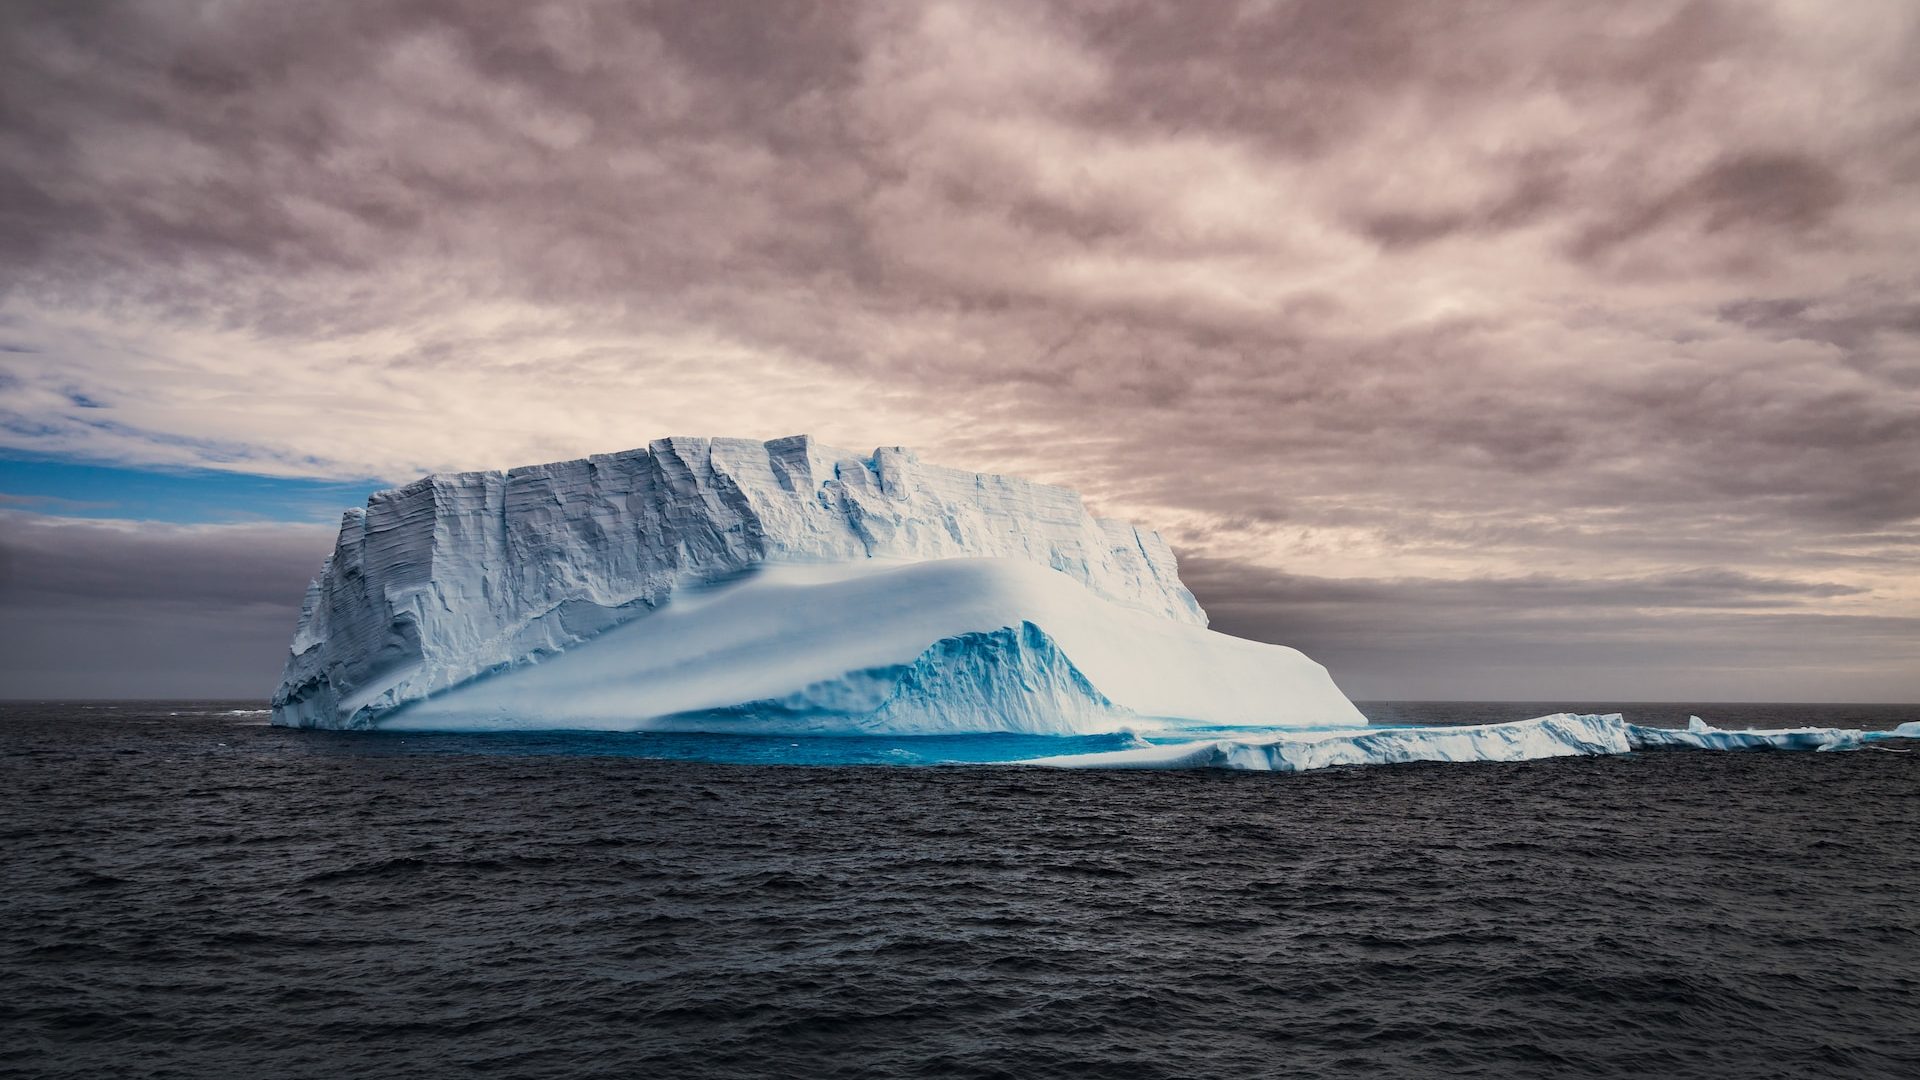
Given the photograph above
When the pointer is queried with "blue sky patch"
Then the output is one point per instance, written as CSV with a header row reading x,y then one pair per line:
x,y
184,496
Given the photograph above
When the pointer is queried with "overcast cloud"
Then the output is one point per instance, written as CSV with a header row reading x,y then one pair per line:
x,y
1480,349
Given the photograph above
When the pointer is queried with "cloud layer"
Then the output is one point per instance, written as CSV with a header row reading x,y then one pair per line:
x,y
94,609
1420,298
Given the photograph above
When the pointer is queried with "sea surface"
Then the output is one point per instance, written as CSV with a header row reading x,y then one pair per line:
x,y
186,892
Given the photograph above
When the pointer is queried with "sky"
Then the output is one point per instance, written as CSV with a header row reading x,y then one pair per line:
x,y
1480,350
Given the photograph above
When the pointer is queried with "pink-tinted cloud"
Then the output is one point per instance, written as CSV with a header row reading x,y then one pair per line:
x,y
1379,290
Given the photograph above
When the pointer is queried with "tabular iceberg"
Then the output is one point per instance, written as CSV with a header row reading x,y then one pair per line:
x,y
732,585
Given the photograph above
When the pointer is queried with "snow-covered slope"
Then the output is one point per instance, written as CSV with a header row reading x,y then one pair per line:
x,y
951,645
470,581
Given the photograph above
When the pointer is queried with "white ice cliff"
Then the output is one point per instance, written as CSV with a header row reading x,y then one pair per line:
x,y
731,585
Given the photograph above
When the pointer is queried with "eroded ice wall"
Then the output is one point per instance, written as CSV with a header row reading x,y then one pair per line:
x,y
453,576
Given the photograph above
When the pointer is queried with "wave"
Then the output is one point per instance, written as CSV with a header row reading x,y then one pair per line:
x,y
1558,735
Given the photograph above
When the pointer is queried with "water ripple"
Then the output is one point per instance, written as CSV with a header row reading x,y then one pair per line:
x,y
238,900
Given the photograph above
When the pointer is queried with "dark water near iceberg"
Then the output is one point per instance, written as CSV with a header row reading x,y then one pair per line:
x,y
189,893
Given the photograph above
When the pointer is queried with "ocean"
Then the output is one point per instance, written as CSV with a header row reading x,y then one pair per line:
x,y
188,892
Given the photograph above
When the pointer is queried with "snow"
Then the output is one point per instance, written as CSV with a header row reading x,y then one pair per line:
x,y
456,576
937,647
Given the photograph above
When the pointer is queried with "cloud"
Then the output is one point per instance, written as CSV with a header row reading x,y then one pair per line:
x,y
1784,196
1381,290
124,609
1702,635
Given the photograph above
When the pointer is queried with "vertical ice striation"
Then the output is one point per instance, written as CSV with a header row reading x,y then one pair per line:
x,y
454,576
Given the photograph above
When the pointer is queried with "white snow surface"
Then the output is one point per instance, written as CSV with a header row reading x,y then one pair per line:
x,y
938,647
478,578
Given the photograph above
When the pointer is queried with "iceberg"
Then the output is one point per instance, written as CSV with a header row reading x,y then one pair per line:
x,y
787,588
726,585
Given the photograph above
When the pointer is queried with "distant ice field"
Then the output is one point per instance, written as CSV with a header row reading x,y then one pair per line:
x,y
1405,733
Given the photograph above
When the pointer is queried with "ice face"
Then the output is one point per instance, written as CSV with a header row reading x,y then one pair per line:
x,y
451,578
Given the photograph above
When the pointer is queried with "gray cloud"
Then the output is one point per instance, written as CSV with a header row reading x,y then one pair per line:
x,y
1758,193
1698,636
1382,291
91,609
1230,582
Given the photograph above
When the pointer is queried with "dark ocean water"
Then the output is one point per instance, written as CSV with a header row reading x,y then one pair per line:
x,y
189,893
